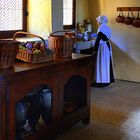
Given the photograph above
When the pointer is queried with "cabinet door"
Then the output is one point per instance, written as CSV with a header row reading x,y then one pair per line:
x,y
27,116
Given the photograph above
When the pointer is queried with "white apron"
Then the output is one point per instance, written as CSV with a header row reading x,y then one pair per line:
x,y
102,71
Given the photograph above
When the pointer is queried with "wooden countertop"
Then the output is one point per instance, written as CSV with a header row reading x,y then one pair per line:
x,y
22,70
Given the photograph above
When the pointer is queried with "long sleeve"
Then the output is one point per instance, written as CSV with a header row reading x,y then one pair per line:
x,y
100,36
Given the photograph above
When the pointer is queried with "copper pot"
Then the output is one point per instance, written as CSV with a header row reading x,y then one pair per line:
x,y
120,18
136,22
128,20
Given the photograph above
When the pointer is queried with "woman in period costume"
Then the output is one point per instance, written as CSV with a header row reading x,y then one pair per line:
x,y
104,63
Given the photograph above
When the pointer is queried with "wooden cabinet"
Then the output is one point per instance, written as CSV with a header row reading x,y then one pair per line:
x,y
93,62
69,82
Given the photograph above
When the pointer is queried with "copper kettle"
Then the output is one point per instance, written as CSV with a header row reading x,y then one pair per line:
x,y
136,22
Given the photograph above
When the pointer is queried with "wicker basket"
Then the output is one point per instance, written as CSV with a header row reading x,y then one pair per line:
x,y
25,56
8,52
61,44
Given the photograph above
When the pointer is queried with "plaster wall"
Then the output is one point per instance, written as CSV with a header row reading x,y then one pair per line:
x,y
94,11
82,10
40,19
57,15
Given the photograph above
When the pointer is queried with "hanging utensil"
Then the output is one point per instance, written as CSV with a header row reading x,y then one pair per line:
x,y
119,18
136,22
128,20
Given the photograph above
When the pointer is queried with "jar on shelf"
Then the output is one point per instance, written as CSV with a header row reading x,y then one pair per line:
x,y
21,113
46,104
88,25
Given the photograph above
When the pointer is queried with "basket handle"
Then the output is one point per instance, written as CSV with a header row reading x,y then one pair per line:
x,y
67,36
27,33
58,32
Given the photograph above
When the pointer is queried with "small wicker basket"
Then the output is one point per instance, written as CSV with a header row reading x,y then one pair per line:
x,y
61,44
25,56
8,52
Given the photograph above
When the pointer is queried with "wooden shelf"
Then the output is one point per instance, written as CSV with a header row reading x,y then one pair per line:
x,y
128,8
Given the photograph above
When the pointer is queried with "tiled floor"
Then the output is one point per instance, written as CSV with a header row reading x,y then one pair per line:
x,y
115,114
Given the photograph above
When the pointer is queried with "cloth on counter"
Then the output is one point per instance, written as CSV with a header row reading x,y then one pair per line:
x,y
79,45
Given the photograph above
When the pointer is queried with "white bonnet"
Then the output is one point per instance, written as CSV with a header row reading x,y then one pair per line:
x,y
102,19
